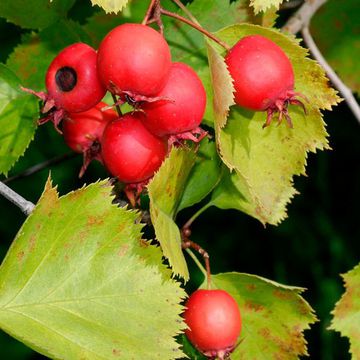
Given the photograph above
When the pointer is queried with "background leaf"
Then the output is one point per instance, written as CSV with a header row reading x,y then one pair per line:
x,y
274,316
31,59
337,34
204,175
34,14
165,191
17,119
265,160
111,6
78,282
347,312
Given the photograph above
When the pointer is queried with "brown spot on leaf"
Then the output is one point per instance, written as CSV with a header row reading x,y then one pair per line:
x,y
95,220
32,242
143,243
282,294
251,287
249,305
20,255
123,250
116,352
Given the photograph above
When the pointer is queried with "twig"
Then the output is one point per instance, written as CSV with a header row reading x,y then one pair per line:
x,y
291,4
38,167
25,206
343,89
195,26
186,11
302,17
148,12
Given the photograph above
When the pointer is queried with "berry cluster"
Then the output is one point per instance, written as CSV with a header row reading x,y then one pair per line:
x,y
134,64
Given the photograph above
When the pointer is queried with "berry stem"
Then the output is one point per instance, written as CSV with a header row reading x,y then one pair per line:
x,y
186,11
196,261
195,26
188,244
149,12
117,107
188,224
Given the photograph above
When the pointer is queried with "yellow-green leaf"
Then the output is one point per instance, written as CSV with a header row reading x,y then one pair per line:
x,y
111,6
165,192
263,5
79,282
347,312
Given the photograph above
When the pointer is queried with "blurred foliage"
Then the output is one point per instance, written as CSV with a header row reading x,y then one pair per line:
x,y
310,249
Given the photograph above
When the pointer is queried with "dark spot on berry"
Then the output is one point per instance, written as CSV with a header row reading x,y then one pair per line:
x,y
66,78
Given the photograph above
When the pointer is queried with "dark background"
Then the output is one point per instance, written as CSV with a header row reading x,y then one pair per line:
x,y
319,240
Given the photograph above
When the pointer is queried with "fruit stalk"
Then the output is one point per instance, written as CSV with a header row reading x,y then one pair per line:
x,y
188,244
197,27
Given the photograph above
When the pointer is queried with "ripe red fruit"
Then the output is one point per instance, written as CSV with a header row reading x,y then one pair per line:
x,y
183,104
135,58
263,76
72,80
130,151
83,131
214,322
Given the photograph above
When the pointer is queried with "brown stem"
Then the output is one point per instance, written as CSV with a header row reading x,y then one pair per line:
x,y
149,12
117,107
187,243
195,26
186,11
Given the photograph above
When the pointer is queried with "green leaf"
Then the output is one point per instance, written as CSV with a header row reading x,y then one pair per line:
x,y
111,6
204,175
266,160
31,59
17,119
99,24
263,5
34,14
347,311
78,282
337,34
190,350
274,316
165,191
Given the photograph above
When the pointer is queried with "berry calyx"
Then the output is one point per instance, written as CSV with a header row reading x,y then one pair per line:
x,y
129,151
263,77
83,132
214,322
134,58
183,104
72,81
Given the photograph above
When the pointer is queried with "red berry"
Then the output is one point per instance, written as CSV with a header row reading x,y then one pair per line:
x,y
82,129
83,132
135,58
72,80
263,76
214,322
183,104
130,151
